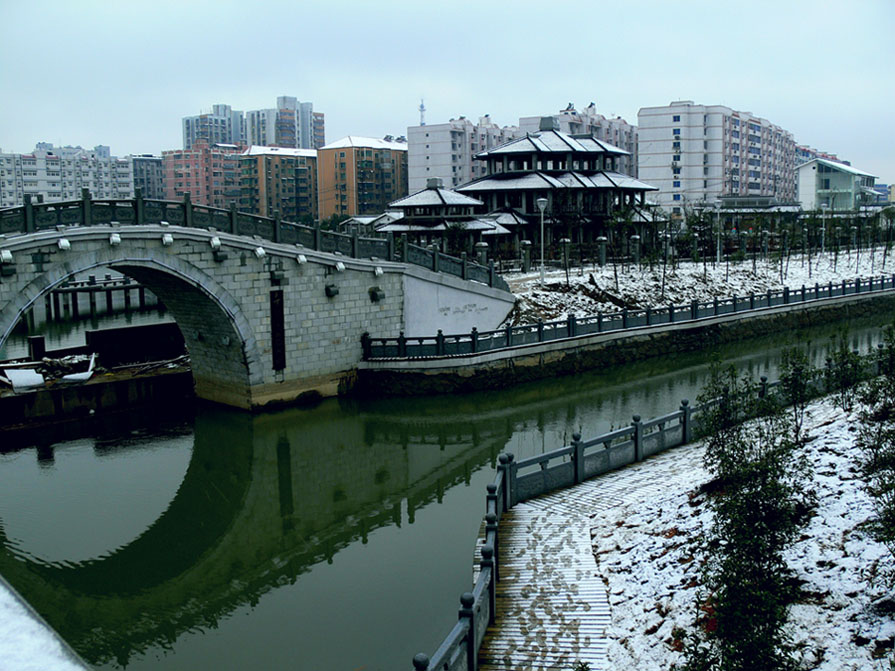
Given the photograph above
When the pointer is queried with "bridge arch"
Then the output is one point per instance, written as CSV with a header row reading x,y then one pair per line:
x,y
220,339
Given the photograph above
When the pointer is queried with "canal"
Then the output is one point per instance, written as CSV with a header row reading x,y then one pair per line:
x,y
337,537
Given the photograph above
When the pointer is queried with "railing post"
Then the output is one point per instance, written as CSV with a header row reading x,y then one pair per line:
x,y
599,321
694,309
390,238
715,306
366,345
751,300
638,438
857,285
354,245
404,250
467,600
420,662
276,225
187,210
512,467
686,426
578,452
439,343
488,563
844,286
463,265
491,530
763,387
86,207
491,273
139,214
509,330
786,295
474,339
234,219
503,464
803,293
29,214
671,314
402,344
540,330
572,326
830,290
436,260
734,302
624,318
649,312
769,298
816,290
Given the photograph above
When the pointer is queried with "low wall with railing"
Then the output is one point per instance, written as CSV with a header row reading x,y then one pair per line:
x,y
33,217
515,337
518,481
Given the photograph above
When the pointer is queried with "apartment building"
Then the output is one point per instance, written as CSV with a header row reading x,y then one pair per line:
x,y
805,154
611,130
836,186
208,172
446,150
149,176
698,153
279,179
59,173
223,125
360,175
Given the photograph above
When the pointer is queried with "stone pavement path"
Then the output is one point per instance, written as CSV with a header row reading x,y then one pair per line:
x,y
553,610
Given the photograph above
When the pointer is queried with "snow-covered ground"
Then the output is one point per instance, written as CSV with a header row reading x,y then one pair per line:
x,y
645,554
593,288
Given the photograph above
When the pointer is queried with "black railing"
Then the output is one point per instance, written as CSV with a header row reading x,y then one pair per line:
x,y
35,217
475,342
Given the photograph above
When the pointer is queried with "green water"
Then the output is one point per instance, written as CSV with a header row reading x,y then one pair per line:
x,y
338,537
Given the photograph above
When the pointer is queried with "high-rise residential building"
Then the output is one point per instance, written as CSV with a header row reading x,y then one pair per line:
x,y
445,150
149,176
360,175
611,130
59,173
318,130
222,125
805,154
279,180
208,172
696,154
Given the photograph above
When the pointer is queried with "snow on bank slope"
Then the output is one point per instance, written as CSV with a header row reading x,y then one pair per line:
x,y
645,555
592,289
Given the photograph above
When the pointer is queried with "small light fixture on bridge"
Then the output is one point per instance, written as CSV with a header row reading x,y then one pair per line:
x,y
340,267
167,239
376,294
64,244
378,271
302,259
7,269
215,243
260,253
115,239
5,256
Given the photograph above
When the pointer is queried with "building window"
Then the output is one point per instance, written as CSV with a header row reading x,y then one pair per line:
x,y
676,196
676,145
676,184
676,118
676,171
676,157
676,131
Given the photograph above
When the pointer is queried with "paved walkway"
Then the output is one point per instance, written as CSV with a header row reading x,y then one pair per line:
x,y
553,610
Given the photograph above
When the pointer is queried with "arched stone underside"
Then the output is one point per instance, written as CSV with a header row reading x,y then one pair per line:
x,y
218,337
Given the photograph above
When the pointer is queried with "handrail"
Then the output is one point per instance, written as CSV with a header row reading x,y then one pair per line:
x,y
34,217
512,337
459,649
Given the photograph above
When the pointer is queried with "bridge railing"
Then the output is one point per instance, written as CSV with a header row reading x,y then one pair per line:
x,y
518,481
476,342
34,217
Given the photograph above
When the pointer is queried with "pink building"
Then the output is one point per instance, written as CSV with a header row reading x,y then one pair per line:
x,y
208,172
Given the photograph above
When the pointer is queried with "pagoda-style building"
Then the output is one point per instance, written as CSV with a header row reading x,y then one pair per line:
x,y
577,174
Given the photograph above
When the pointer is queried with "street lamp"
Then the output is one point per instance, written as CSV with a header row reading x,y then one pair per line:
x,y
823,208
542,205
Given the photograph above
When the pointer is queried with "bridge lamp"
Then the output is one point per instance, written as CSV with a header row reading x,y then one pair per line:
x,y
260,253
115,239
378,271
542,205
5,256
340,267
302,259
215,243
167,239
64,244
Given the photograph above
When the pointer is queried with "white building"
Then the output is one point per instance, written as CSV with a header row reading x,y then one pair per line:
x,y
445,150
613,130
697,153
54,174
839,187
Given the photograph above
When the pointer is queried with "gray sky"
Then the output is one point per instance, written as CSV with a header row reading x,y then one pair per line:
x,y
123,73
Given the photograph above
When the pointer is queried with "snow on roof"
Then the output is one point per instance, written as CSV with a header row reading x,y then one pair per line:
x,y
487,226
838,166
434,196
567,180
258,150
368,142
553,141
509,181
628,182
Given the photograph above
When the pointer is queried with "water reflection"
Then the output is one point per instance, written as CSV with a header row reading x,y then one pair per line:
x,y
337,537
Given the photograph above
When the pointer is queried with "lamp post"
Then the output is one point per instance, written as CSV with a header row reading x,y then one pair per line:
x,y
542,205
718,219
823,209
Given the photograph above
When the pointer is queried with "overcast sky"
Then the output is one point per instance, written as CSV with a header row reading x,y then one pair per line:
x,y
88,72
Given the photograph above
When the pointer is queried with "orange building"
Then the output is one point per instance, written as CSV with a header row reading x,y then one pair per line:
x,y
279,179
360,175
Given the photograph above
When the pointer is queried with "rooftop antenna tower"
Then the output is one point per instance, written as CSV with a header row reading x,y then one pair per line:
x,y
422,109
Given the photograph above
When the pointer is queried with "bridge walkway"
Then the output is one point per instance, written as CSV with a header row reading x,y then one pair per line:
x,y
553,609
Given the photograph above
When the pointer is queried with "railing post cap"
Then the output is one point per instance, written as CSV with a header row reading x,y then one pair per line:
x,y
487,553
576,437
421,661
503,459
510,456
492,488
764,378
467,598
491,518
636,418
685,402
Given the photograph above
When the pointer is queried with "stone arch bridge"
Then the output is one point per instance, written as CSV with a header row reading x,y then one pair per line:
x,y
270,311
